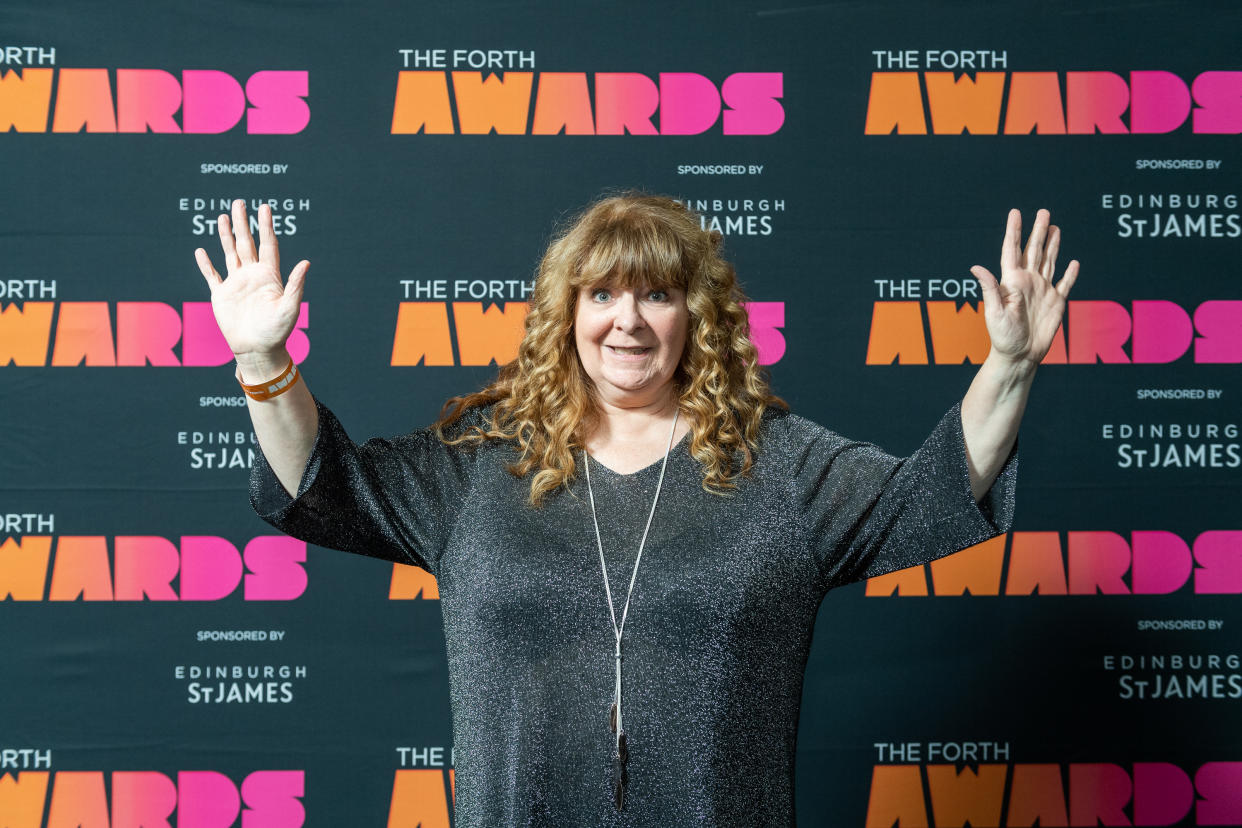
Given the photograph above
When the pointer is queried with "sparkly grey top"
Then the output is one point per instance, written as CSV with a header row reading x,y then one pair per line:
x,y
719,624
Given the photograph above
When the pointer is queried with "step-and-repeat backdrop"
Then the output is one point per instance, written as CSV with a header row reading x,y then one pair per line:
x,y
169,659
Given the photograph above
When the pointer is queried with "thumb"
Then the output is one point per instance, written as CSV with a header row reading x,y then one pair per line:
x,y
292,297
297,281
989,285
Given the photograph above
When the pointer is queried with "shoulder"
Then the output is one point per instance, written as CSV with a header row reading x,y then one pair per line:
x,y
475,417
465,439
430,440
781,427
793,445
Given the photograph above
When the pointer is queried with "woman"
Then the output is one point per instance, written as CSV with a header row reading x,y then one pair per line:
x,y
631,535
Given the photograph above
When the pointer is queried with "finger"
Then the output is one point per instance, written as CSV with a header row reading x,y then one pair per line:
x,y
292,299
1035,244
989,285
1049,268
231,261
269,251
205,267
241,227
296,283
1067,281
1009,247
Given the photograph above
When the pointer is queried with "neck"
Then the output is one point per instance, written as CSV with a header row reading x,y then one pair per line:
x,y
627,421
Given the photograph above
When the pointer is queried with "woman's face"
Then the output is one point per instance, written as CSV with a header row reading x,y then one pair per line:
x,y
630,341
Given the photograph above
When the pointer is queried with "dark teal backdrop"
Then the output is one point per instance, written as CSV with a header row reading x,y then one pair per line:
x,y
129,561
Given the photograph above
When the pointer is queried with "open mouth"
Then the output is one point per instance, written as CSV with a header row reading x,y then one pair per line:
x,y
628,351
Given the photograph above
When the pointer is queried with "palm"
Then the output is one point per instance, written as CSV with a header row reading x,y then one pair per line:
x,y
1024,309
251,310
254,309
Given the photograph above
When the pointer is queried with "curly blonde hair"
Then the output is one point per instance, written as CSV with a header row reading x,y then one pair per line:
x,y
543,400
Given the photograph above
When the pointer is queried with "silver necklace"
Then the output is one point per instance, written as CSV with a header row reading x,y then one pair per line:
x,y
621,777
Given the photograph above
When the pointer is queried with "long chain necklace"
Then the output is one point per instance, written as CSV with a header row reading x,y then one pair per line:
x,y
621,778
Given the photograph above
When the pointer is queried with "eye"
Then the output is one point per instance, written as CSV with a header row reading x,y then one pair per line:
x,y
601,295
658,296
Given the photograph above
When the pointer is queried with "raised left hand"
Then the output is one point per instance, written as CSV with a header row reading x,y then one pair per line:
x,y
1024,309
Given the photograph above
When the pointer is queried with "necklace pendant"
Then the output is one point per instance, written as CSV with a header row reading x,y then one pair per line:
x,y
621,777
612,718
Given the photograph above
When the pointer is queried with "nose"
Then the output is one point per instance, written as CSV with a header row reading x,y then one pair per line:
x,y
628,318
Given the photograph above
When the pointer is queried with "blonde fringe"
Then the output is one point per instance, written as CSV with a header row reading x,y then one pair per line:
x,y
543,400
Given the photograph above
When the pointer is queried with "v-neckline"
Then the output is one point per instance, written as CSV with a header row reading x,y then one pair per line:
x,y
653,464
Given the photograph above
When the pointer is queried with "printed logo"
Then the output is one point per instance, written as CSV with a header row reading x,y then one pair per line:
x,y
480,335
238,684
1022,103
143,333
271,798
1176,445
207,101
1150,331
204,211
143,568
1174,215
423,788
1099,793
1175,675
433,101
411,583
1149,562
736,216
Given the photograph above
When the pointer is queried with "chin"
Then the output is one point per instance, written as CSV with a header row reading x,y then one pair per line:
x,y
633,390
638,388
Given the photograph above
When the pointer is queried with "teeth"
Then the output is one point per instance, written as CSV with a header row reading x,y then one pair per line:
x,y
627,350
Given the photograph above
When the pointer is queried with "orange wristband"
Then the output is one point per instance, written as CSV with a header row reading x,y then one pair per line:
x,y
271,388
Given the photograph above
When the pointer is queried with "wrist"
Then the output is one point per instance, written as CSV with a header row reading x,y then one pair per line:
x,y
1012,370
261,366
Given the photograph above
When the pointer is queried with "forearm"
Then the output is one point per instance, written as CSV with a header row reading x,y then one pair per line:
x,y
285,425
991,413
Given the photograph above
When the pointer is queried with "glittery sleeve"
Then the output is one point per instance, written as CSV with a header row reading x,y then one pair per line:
x,y
868,513
388,498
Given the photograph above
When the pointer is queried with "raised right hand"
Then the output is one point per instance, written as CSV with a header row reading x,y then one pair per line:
x,y
254,310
